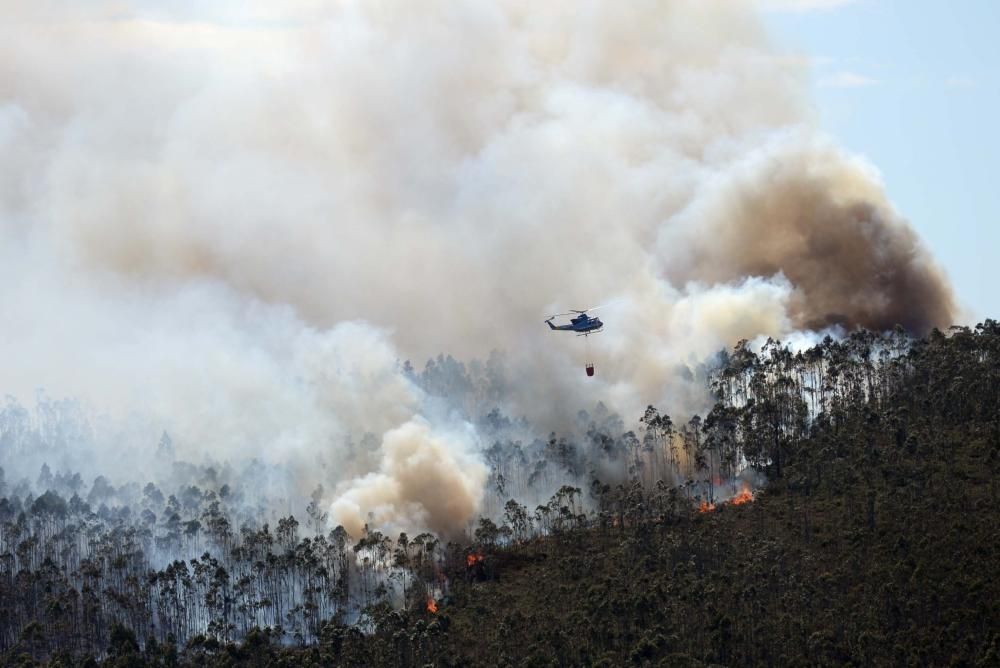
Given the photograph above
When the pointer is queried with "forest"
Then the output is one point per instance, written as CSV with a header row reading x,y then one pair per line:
x,y
837,505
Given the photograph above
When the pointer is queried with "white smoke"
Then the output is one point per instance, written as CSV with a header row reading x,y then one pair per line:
x,y
423,480
238,220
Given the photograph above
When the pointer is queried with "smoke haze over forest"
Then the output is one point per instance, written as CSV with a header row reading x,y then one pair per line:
x,y
237,228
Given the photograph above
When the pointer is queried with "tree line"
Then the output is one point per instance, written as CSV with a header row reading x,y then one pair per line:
x,y
857,424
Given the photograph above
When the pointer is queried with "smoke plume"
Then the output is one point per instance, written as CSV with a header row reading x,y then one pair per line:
x,y
238,221
423,481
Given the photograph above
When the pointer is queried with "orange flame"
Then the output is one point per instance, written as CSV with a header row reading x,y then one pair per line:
x,y
473,559
432,606
746,496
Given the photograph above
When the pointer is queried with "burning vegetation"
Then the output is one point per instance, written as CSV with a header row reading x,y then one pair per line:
x,y
746,495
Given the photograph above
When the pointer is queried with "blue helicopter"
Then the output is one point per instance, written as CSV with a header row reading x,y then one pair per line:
x,y
582,324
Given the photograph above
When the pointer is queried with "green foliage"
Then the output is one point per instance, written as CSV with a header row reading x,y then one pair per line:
x,y
873,544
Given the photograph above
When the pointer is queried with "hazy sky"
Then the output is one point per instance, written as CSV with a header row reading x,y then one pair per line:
x,y
913,86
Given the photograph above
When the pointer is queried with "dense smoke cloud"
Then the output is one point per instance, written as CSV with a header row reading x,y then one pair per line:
x,y
423,480
238,221
804,209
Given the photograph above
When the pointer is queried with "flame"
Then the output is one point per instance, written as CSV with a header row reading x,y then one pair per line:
x,y
746,496
473,559
432,606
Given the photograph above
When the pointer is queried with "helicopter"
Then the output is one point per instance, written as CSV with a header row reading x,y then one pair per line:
x,y
582,324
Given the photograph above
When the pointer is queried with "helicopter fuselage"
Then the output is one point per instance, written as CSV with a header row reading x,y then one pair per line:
x,y
582,324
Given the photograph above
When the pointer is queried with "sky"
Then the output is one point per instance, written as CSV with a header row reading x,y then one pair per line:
x,y
912,85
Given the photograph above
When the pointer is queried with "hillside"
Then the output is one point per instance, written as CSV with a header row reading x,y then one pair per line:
x,y
874,543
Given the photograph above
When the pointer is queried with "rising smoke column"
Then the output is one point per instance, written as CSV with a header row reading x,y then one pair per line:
x,y
800,207
238,219
424,480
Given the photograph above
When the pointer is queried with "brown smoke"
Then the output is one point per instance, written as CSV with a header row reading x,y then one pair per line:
x,y
423,480
811,214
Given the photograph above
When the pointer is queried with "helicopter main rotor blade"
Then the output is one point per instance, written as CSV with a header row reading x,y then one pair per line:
x,y
595,308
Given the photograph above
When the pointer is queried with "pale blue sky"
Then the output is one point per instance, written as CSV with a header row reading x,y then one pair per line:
x,y
913,86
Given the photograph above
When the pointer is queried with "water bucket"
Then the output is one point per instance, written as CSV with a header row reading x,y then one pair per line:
x,y
590,369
